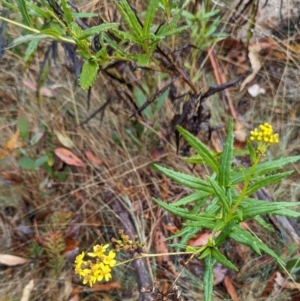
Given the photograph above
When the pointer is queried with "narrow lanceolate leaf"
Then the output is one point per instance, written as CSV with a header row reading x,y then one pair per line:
x,y
269,180
88,74
222,259
272,208
31,49
68,17
152,7
220,193
97,29
201,149
24,12
251,151
246,238
264,168
198,196
130,18
226,158
208,277
184,213
186,180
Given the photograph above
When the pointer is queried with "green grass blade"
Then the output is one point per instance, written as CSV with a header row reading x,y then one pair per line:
x,y
226,158
22,5
201,149
152,7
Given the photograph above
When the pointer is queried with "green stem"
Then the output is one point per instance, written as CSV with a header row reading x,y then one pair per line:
x,y
243,193
62,39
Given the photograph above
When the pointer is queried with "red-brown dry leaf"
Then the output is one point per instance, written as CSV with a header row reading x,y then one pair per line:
x,y
107,286
269,286
200,239
12,260
68,157
92,158
74,298
43,91
219,272
287,284
13,177
216,142
160,247
71,245
230,289
157,153
171,228
13,143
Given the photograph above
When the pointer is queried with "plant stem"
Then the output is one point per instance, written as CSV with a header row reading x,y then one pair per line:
x,y
243,193
62,39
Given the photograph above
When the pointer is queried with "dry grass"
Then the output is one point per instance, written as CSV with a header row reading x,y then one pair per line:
x,y
29,213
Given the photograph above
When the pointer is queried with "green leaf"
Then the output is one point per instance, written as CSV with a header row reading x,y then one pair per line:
x,y
200,148
24,12
220,193
269,180
140,99
186,180
97,29
263,223
263,168
253,207
142,60
169,26
250,240
222,259
68,17
198,196
88,74
40,161
130,19
23,125
151,9
204,218
208,277
173,31
37,11
225,233
31,48
273,208
251,151
226,158
27,163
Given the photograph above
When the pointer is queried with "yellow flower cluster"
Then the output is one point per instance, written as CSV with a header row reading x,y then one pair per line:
x,y
264,136
98,270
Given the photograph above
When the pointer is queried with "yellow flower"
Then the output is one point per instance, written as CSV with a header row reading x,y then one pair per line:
x,y
99,251
264,137
109,259
106,272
